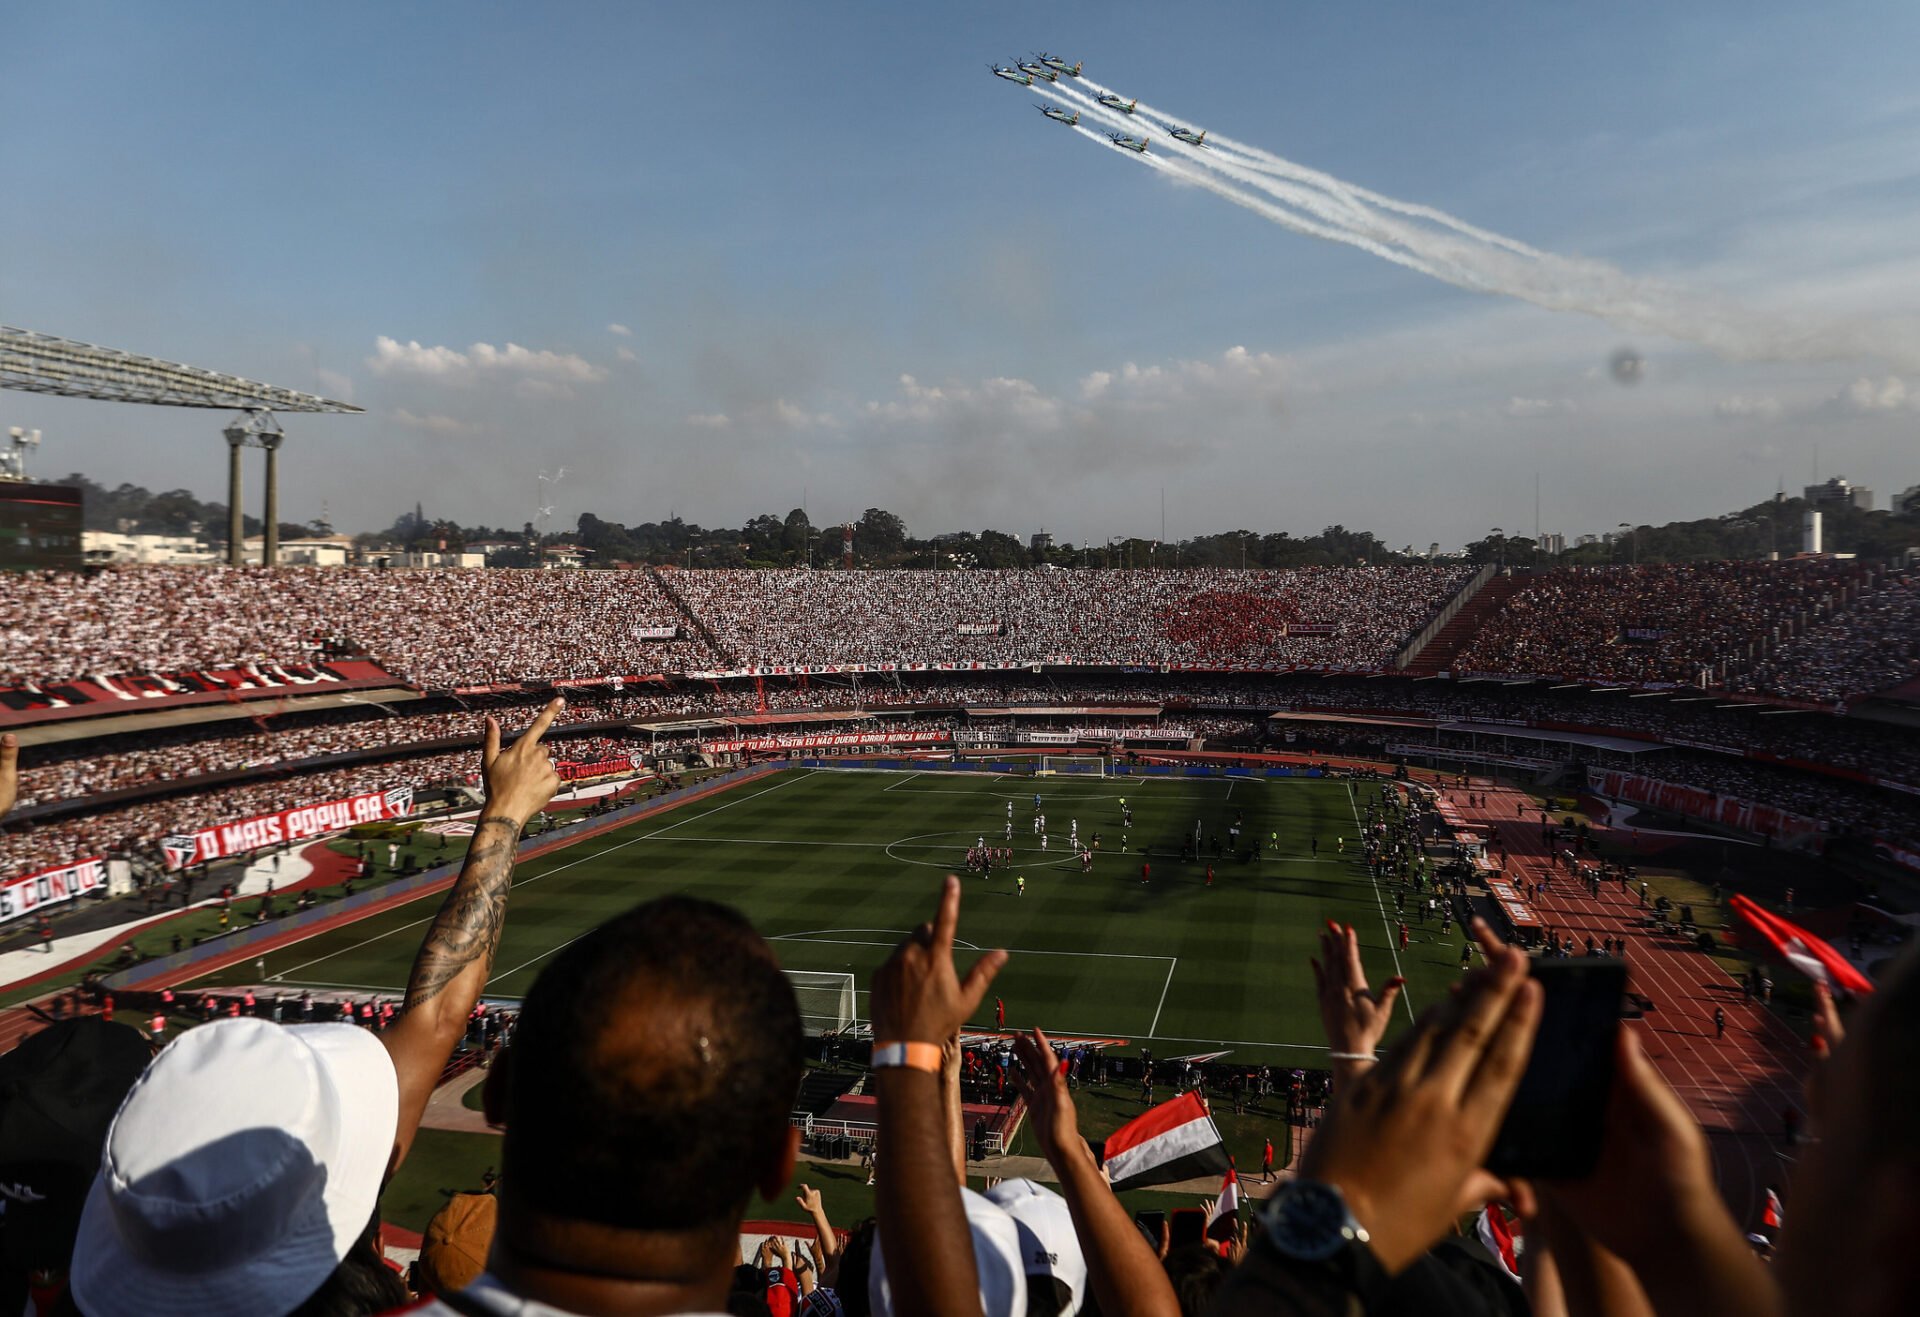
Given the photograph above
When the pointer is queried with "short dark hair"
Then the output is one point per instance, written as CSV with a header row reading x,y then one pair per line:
x,y
653,1071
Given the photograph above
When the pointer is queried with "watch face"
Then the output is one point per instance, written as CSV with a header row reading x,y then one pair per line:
x,y
1309,1221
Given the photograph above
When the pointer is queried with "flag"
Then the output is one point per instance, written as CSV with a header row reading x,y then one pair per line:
x,y
1497,1233
1772,1214
1224,1220
1176,1140
1802,950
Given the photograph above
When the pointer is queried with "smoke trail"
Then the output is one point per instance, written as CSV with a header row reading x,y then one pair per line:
x,y
1444,247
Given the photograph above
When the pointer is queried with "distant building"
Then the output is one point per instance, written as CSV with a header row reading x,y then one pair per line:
x,y
1838,493
1582,541
1908,501
103,547
1041,543
1553,542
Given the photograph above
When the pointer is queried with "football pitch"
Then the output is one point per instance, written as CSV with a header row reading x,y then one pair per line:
x,y
835,866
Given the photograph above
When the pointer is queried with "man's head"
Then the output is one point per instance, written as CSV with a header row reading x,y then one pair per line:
x,y
651,1077
1853,1217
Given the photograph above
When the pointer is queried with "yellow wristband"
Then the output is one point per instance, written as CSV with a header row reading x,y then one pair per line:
x,y
909,1056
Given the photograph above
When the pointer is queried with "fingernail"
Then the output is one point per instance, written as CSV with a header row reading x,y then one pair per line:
x,y
1819,1045
1397,981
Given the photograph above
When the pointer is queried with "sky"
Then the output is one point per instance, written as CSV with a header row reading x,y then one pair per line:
x,y
718,260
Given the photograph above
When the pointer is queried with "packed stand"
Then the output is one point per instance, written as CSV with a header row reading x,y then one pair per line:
x,y
1872,646
1656,624
1359,616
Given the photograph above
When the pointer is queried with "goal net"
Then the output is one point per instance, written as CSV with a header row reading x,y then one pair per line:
x,y
826,999
1089,765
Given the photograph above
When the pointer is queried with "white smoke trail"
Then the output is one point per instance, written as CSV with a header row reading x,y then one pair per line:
x,y
1450,249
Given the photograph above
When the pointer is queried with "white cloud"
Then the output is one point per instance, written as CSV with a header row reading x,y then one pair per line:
x,y
1889,395
338,386
1740,407
617,328
626,354
1530,407
452,366
433,423
709,421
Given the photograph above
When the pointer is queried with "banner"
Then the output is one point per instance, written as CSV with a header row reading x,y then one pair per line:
x,y
656,633
978,629
34,892
572,770
289,825
1699,803
824,740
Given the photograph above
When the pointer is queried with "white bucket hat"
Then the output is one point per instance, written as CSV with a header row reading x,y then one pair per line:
x,y
238,1172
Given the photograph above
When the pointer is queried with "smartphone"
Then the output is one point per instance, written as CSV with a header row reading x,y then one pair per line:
x,y
1150,1224
1552,1130
1188,1225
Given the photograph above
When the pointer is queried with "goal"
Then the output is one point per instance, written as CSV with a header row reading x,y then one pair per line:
x,y
826,1000
1086,765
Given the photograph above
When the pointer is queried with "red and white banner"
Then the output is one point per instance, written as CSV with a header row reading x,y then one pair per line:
x,y
36,891
825,740
1699,803
289,825
572,770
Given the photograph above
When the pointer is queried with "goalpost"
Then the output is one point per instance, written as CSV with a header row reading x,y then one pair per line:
x,y
826,1000
1085,765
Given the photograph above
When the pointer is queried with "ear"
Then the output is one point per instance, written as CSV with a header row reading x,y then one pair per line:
x,y
776,1178
494,1088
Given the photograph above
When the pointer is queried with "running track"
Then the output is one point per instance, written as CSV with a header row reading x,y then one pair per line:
x,y
1738,1087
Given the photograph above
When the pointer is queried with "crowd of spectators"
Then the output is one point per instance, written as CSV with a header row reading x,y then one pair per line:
x,y
1873,646
239,1169
1356,618
1675,623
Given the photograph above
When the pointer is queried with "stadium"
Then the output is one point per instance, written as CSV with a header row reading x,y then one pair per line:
x,y
599,918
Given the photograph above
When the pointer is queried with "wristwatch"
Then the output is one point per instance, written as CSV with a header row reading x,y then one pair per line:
x,y
1309,1225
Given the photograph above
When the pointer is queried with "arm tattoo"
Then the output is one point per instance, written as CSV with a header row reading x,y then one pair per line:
x,y
468,925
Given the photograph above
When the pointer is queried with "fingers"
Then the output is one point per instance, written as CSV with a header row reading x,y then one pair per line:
x,y
1350,946
1505,1061
1389,994
947,921
490,748
1828,1031
544,721
1490,941
1319,975
1478,1012
974,986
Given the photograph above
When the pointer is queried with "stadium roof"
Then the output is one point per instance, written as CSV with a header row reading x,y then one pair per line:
x,y
44,363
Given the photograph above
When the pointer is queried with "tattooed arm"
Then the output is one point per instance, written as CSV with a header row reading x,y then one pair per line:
x,y
456,959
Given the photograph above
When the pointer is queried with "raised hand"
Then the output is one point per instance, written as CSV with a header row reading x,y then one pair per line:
x,y
1055,1122
918,997
520,779
1353,1015
1406,1137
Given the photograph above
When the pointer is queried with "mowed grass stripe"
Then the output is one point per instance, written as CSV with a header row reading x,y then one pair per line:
x,y
810,852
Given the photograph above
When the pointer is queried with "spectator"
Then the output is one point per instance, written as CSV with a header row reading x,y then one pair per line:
x,y
453,1251
58,1091
645,1099
241,1173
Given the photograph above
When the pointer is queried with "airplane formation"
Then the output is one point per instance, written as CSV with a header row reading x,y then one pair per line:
x,y
1051,68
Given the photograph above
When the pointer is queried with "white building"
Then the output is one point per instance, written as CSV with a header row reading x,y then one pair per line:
x,y
98,548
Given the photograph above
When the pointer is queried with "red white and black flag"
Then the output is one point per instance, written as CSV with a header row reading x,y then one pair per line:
x,y
1224,1220
1810,955
1501,1238
1772,1215
1176,1140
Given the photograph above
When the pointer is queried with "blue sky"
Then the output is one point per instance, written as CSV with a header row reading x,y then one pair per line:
x,y
794,209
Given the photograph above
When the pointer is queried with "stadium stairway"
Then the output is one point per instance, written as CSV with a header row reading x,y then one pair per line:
x,y
664,581
820,1089
1437,656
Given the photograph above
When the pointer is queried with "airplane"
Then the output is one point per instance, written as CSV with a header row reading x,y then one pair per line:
x,y
1059,115
1121,140
1058,65
1113,102
1037,69
1011,75
1190,137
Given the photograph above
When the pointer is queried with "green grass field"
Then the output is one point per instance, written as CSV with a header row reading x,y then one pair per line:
x,y
836,866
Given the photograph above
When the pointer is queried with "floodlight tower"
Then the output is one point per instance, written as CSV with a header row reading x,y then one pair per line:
x,y
13,462
258,427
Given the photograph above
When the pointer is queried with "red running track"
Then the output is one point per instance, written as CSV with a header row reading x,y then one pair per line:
x,y
1738,1086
